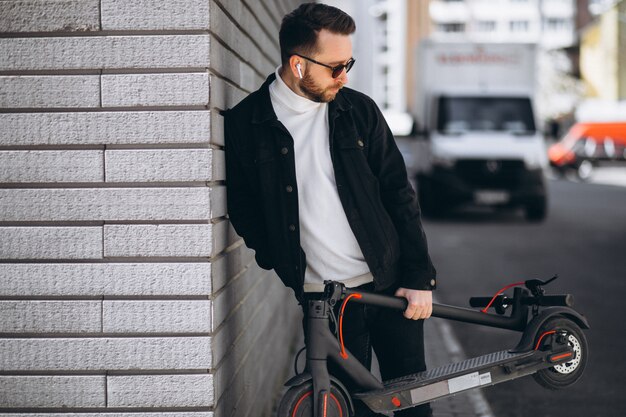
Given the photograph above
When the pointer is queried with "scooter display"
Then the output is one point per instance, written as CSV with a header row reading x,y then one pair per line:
x,y
552,348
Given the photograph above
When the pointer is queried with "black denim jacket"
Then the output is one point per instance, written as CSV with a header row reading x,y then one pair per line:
x,y
371,178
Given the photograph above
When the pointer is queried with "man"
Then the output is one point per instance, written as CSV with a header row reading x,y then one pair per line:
x,y
317,187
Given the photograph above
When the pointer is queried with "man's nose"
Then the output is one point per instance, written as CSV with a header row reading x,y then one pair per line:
x,y
343,77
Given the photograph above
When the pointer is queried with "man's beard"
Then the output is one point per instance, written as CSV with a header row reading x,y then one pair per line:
x,y
315,93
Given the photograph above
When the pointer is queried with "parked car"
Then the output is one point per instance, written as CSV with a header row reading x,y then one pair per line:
x,y
586,145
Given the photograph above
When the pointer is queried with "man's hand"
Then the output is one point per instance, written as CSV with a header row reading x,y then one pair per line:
x,y
420,303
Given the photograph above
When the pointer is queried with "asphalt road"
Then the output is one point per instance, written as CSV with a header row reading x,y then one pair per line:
x,y
584,242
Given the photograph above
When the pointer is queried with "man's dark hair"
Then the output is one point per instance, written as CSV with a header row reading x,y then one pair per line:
x,y
299,29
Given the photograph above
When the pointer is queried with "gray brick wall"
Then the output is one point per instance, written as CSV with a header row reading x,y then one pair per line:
x,y
123,289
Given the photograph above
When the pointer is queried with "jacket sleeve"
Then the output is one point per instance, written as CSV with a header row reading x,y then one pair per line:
x,y
244,209
415,266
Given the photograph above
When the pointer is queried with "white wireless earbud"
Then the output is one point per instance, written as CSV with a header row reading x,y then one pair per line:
x,y
299,68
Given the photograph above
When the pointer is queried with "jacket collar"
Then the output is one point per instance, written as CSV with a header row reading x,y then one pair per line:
x,y
263,111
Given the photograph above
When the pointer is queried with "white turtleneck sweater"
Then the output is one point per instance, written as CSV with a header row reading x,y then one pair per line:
x,y
332,251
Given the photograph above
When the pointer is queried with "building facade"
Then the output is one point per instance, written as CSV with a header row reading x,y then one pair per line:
x,y
603,54
123,288
549,23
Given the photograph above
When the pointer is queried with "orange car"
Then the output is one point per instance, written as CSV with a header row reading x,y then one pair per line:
x,y
587,144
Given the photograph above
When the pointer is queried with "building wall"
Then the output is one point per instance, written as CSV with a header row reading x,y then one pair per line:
x,y
599,52
123,288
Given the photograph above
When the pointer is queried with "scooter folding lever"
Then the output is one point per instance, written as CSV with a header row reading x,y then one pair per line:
x,y
333,292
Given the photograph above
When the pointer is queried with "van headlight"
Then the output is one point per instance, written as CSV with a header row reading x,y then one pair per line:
x,y
536,161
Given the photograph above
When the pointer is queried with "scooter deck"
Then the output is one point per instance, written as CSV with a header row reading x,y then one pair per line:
x,y
450,379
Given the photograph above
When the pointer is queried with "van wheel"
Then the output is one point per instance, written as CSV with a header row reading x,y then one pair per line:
x,y
536,210
584,170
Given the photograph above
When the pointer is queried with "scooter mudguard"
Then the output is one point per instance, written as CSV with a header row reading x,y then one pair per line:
x,y
527,341
306,376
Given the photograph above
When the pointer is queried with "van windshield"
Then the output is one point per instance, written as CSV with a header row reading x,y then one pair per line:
x,y
464,114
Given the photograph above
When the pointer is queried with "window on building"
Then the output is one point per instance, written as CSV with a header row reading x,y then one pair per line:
x,y
451,27
556,24
519,25
486,26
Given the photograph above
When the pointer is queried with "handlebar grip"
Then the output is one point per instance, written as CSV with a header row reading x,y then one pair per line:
x,y
565,300
484,301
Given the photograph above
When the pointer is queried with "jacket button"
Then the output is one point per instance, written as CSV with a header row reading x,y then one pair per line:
x,y
432,282
292,227
284,151
289,188
360,143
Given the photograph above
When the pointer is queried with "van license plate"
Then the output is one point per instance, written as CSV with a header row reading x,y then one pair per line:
x,y
491,197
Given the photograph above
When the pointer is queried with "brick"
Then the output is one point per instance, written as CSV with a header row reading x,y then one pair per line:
x,y
49,15
264,18
230,298
129,90
51,166
231,35
50,316
160,391
104,52
251,28
253,312
45,91
103,204
50,242
260,365
105,353
147,316
155,14
230,66
277,357
183,240
97,128
224,95
236,259
107,279
52,391
163,165
217,129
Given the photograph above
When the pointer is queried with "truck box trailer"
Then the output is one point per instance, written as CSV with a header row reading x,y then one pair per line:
x,y
478,139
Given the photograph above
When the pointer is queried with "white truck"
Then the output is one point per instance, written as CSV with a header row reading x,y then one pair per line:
x,y
478,140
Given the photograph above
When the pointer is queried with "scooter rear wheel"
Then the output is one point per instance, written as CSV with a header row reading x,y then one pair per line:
x,y
565,374
298,402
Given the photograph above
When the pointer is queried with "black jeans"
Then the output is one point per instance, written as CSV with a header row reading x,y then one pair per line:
x,y
397,341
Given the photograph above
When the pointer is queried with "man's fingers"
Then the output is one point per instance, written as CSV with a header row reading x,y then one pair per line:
x,y
418,312
420,303
410,311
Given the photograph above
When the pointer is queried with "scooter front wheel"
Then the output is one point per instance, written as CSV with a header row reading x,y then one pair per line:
x,y
298,402
565,374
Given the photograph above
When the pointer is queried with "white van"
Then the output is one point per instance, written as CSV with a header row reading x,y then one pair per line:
x,y
479,141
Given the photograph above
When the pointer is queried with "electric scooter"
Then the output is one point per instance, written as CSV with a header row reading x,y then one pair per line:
x,y
553,349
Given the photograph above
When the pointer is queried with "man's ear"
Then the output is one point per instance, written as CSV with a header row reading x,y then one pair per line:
x,y
295,65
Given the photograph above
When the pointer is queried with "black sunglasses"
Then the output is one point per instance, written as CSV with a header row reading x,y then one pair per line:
x,y
337,70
